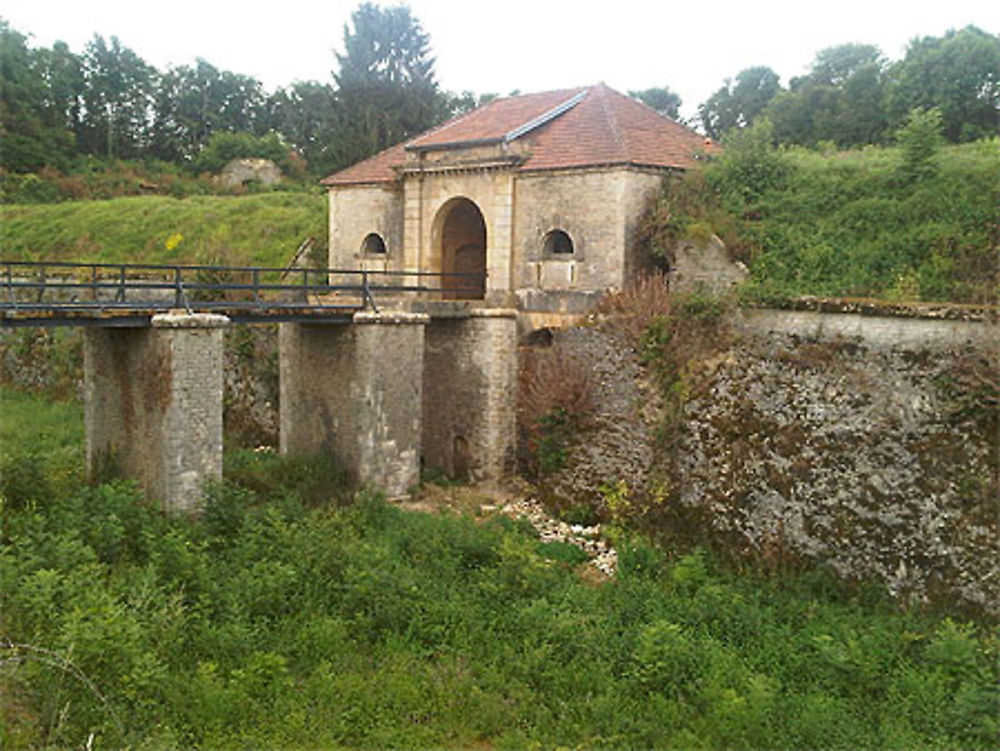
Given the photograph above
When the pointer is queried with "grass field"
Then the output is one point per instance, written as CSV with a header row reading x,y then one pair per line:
x,y
263,229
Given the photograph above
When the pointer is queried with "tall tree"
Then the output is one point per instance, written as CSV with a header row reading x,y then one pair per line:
x,y
841,99
117,100
306,116
62,72
739,102
31,135
958,73
661,99
193,103
385,81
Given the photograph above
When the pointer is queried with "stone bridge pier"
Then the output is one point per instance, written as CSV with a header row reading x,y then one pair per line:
x,y
384,394
153,405
354,391
395,391
470,382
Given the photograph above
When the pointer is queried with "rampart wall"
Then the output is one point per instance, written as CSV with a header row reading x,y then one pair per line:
x,y
866,442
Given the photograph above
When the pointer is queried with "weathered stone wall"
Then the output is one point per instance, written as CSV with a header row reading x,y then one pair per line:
x,y
355,391
245,170
828,437
153,404
355,212
470,371
250,401
704,266
590,206
599,208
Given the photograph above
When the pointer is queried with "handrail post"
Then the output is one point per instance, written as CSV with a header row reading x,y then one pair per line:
x,y
10,286
180,297
42,278
93,283
256,288
120,295
367,297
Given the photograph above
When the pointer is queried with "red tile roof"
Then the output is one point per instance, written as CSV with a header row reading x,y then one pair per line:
x,y
568,128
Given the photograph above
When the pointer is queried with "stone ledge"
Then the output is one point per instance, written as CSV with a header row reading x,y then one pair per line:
x,y
183,320
391,317
492,313
870,328
873,307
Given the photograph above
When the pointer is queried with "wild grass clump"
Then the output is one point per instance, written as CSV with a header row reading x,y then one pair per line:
x,y
672,334
632,309
273,624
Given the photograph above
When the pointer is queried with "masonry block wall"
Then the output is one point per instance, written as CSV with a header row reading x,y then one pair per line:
x,y
359,211
470,372
153,404
355,391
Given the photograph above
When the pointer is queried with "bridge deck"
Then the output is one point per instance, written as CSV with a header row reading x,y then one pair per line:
x,y
77,294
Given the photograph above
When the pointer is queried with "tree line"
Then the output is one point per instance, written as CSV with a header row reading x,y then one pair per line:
x,y
853,95
109,102
56,105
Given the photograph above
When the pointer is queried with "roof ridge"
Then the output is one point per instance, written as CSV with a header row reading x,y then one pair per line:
x,y
616,130
545,117
601,126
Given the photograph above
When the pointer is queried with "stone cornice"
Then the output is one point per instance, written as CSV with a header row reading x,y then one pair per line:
x,y
471,165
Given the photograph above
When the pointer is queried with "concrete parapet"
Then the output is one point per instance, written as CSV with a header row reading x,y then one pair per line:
x,y
153,404
355,391
470,379
873,330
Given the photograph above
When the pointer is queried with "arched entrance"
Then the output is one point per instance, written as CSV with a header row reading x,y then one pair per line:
x,y
462,249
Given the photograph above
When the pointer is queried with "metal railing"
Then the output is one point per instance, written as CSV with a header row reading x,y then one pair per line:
x,y
81,289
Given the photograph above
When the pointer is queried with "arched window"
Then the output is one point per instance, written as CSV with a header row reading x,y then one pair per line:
x,y
373,245
557,243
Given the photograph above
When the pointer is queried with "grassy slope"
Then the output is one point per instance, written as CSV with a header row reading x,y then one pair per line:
x,y
263,229
847,225
273,624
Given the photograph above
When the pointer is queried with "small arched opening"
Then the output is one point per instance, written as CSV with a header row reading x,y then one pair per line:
x,y
461,235
373,245
557,243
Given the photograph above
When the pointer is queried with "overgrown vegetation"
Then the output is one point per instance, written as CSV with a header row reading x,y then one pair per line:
x,y
553,403
262,230
279,621
672,333
92,178
912,223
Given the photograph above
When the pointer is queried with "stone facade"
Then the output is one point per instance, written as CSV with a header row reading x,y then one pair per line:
x,y
597,208
153,404
541,193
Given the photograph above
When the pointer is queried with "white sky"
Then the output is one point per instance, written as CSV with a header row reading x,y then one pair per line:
x,y
530,45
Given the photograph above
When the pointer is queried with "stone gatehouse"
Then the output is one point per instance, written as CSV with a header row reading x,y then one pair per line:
x,y
542,193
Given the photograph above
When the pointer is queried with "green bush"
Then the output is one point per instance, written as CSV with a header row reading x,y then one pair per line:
x,y
272,622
